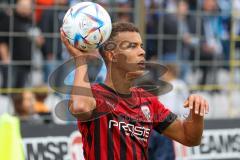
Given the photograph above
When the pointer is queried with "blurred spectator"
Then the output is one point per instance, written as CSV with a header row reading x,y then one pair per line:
x,y
39,10
7,1
236,22
153,18
236,10
125,14
4,53
103,3
40,106
192,4
24,107
21,45
211,48
157,3
225,7
170,5
11,145
180,28
50,23
174,100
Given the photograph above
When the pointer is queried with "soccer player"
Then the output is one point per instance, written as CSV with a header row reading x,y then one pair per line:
x,y
115,118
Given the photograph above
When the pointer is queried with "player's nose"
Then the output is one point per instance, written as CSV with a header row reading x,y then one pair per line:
x,y
141,52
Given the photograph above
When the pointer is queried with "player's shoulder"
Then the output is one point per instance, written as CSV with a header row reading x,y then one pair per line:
x,y
99,91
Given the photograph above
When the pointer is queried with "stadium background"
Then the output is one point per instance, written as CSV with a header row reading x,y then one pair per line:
x,y
220,85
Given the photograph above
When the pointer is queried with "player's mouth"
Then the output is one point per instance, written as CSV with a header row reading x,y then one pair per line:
x,y
141,64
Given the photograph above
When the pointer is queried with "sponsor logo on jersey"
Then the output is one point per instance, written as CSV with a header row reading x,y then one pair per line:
x,y
139,132
146,112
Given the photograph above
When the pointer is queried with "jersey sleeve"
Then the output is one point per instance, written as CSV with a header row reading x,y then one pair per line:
x,y
163,117
103,103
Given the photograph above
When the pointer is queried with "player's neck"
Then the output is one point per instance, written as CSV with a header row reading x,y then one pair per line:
x,y
118,82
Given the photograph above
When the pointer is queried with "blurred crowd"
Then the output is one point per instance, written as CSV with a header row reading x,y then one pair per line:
x,y
193,36
193,31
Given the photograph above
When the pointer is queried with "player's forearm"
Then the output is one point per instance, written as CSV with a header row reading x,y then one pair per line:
x,y
193,128
82,101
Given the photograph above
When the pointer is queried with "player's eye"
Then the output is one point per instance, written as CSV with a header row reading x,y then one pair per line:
x,y
124,45
128,45
132,45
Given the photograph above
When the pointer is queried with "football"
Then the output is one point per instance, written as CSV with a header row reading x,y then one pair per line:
x,y
87,25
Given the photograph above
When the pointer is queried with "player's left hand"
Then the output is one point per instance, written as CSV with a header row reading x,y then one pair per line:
x,y
197,104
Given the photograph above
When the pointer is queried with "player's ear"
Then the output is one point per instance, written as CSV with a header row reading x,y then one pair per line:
x,y
111,57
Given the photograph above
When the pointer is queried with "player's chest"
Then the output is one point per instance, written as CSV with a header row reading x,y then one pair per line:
x,y
138,111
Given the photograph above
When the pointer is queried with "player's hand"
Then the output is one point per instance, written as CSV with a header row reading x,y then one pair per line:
x,y
197,104
74,52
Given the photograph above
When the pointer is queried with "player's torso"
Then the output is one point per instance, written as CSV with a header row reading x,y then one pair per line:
x,y
120,134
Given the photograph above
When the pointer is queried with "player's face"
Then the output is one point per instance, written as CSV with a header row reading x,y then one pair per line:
x,y
129,54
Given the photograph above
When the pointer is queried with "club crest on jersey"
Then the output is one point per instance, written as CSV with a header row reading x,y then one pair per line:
x,y
146,111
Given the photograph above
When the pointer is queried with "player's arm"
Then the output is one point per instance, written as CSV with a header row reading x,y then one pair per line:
x,y
82,102
189,131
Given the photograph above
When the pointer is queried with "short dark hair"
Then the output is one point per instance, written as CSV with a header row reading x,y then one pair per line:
x,y
117,28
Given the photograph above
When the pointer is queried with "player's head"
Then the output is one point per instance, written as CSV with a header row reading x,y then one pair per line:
x,y
123,50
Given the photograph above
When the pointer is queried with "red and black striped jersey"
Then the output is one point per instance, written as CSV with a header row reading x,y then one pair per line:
x,y
121,124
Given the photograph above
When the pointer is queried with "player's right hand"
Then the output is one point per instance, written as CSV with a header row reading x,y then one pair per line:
x,y
73,51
